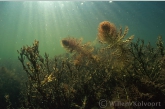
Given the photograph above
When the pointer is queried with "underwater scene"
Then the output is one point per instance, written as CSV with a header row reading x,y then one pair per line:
x,y
82,55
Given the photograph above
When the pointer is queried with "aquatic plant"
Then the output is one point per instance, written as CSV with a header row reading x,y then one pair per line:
x,y
143,78
107,32
10,89
72,44
116,70
147,66
81,51
113,44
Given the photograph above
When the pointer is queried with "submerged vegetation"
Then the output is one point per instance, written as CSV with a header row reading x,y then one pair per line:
x,y
10,89
117,69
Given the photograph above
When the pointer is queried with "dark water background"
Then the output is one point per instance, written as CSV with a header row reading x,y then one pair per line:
x,y
50,21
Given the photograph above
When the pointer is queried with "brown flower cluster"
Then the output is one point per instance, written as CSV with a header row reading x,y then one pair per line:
x,y
72,44
107,32
81,51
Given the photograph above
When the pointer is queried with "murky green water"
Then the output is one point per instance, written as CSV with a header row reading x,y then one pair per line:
x,y
111,72
49,22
